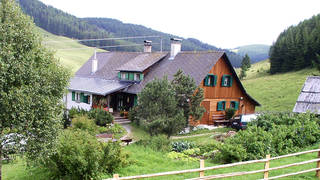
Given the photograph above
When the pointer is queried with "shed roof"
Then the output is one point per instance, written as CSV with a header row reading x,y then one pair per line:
x,y
96,85
309,98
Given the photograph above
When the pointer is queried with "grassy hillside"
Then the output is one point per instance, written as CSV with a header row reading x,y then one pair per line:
x,y
277,92
72,59
256,52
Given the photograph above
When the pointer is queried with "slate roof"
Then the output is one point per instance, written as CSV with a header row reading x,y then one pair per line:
x,y
309,98
96,85
141,62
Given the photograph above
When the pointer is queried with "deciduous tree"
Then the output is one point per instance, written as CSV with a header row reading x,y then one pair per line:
x,y
32,84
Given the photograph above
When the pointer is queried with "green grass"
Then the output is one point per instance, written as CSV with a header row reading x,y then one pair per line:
x,y
70,58
277,92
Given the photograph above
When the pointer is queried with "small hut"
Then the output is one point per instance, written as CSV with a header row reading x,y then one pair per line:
x,y
309,98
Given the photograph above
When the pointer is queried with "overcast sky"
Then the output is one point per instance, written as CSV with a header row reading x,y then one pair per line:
x,y
223,23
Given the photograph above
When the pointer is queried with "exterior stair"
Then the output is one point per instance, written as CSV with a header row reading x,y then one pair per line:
x,y
121,120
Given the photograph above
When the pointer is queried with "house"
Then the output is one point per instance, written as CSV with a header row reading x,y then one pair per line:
x,y
113,79
309,98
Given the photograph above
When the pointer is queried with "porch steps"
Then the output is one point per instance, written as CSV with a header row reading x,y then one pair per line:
x,y
121,120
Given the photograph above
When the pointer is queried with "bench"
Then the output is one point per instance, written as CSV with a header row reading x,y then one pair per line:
x,y
219,119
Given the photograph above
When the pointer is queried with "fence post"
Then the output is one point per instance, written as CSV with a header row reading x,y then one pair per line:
x,y
318,165
266,167
115,177
201,173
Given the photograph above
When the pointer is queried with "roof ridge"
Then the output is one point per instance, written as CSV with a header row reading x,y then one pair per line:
x,y
202,52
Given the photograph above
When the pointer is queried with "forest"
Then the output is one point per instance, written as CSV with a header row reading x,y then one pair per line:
x,y
297,47
60,23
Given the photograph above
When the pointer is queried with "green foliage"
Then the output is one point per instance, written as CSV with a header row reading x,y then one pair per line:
x,y
316,62
230,112
179,146
188,96
296,47
157,109
181,156
275,134
84,123
32,83
100,116
245,65
157,143
80,155
132,115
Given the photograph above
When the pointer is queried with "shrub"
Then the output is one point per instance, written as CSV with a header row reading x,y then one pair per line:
x,y
180,146
132,115
101,117
230,112
157,143
181,156
192,152
84,123
231,153
79,155
73,112
115,128
205,148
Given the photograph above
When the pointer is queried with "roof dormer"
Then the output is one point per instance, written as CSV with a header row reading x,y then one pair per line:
x,y
130,76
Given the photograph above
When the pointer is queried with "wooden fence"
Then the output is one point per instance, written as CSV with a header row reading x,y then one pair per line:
x,y
265,171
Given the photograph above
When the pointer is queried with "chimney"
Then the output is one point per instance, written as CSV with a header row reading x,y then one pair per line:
x,y
94,62
175,47
147,46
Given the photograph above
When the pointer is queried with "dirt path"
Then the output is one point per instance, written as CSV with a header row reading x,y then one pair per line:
x,y
196,135
128,128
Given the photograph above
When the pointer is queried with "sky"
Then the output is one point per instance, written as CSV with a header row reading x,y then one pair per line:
x,y
222,23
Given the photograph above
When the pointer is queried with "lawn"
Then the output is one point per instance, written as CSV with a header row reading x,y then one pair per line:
x,y
277,92
72,54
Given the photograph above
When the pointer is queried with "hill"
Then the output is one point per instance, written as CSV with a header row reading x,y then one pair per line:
x,y
296,47
256,52
60,23
64,50
277,92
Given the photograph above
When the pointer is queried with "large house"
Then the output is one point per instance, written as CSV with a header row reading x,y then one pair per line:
x,y
113,79
309,98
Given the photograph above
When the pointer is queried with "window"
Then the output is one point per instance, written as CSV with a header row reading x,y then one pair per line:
x,y
123,75
131,76
221,106
137,77
210,80
234,104
226,81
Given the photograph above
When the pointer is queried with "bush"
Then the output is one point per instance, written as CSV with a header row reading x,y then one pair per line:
x,y
132,115
181,156
79,155
84,123
157,143
180,146
230,112
73,112
205,148
101,117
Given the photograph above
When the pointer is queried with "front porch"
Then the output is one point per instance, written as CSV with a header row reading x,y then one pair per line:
x,y
115,102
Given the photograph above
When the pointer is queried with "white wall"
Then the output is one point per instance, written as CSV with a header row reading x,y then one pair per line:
x,y
70,104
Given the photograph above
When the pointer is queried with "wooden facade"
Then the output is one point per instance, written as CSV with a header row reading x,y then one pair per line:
x,y
217,93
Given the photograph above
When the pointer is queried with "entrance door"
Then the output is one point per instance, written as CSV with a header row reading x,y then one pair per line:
x,y
206,114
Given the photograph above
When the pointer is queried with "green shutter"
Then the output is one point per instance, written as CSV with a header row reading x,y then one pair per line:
x,y
236,105
127,76
215,80
219,106
222,81
230,81
81,97
141,76
119,75
206,81
224,105
73,96
131,76
135,100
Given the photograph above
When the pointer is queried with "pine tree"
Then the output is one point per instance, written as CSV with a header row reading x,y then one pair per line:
x,y
245,65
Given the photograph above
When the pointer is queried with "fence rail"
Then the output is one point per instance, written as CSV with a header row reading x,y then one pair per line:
x,y
265,171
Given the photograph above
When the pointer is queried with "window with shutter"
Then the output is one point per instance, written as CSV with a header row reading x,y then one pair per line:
x,y
141,77
131,76
127,76
226,81
210,80
73,96
221,106
234,104
119,75
81,97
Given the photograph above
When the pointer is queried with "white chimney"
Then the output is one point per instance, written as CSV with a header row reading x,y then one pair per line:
x,y
147,46
175,47
94,62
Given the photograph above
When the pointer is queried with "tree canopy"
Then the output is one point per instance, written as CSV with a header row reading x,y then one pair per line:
x,y
297,47
32,84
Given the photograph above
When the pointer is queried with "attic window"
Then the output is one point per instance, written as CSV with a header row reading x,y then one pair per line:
x,y
210,80
226,81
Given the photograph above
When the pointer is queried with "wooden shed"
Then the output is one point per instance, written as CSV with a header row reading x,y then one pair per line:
x,y
309,98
